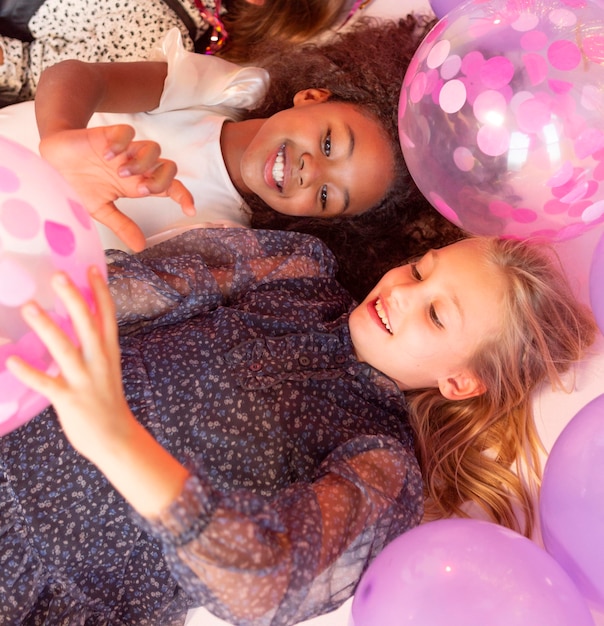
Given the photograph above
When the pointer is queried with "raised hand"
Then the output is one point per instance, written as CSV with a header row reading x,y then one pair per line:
x,y
104,164
87,393
89,400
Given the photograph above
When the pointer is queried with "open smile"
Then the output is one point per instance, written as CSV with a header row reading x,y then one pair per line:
x,y
382,315
274,171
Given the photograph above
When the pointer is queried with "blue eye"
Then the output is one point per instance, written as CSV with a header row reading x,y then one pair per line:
x,y
327,144
323,197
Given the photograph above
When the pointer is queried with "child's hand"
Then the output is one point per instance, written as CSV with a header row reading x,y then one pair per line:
x,y
87,393
89,399
104,164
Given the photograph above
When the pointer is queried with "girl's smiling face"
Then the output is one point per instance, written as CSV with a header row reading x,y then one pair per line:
x,y
423,321
319,158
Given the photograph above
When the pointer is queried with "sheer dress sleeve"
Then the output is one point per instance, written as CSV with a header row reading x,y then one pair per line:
x,y
260,562
205,268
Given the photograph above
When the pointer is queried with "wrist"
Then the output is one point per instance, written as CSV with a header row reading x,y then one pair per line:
x,y
146,474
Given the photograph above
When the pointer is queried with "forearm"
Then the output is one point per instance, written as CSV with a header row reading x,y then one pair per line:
x,y
144,472
258,557
70,92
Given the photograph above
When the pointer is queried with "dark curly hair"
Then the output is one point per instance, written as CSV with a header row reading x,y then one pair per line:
x,y
364,67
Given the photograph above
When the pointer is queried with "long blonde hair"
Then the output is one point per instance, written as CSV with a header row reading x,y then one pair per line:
x,y
291,21
473,450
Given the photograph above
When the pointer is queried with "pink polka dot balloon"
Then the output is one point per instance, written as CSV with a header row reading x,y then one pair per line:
x,y
43,228
501,117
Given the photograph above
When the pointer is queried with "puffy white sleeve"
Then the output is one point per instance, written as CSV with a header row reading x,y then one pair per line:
x,y
200,80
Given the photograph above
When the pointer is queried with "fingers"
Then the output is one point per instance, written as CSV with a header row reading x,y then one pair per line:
x,y
142,157
30,376
117,138
124,227
157,175
179,193
96,332
105,309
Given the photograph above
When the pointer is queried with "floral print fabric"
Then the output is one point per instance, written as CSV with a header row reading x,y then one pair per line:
x,y
237,357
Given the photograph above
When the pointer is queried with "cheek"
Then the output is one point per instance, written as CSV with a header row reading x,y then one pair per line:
x,y
372,184
300,203
417,349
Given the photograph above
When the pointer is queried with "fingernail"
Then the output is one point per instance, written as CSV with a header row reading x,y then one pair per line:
x,y
60,279
124,172
143,190
30,309
109,155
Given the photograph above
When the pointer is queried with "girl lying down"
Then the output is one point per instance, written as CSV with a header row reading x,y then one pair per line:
x,y
304,143
246,438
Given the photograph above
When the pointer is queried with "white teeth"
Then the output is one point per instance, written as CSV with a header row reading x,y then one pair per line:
x,y
278,168
379,309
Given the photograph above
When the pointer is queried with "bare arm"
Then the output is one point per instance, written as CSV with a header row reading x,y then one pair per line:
x,y
70,92
105,164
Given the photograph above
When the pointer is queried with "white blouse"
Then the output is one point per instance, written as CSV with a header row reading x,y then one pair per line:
x,y
201,92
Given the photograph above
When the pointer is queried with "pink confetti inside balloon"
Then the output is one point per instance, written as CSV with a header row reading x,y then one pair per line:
x,y
507,137
43,229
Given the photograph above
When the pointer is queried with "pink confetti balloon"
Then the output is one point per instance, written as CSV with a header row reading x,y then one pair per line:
x,y
501,117
43,229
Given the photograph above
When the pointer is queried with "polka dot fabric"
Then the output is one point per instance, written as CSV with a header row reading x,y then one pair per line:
x,y
93,31
238,359
504,101
43,229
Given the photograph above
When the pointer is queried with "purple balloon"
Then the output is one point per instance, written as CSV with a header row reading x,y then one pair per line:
x,y
572,501
596,284
442,7
465,572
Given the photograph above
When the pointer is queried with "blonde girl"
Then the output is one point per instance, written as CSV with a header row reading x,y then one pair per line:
x,y
252,449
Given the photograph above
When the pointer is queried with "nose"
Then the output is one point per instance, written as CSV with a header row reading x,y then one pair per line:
x,y
308,169
403,294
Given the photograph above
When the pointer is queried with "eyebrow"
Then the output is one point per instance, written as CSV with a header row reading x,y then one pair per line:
x,y
457,304
351,142
454,298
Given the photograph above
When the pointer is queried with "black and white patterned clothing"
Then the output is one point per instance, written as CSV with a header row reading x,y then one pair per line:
x,y
89,30
237,357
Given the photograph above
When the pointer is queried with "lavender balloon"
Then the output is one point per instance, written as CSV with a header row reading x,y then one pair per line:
x,y
464,572
43,229
572,501
440,8
501,117
596,284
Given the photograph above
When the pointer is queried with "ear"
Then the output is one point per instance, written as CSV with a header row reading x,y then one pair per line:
x,y
311,96
462,386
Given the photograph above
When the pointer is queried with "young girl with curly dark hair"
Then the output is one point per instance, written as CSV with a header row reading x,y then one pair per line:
x,y
243,151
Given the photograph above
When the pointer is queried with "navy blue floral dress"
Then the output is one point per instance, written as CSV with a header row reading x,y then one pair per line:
x,y
237,357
